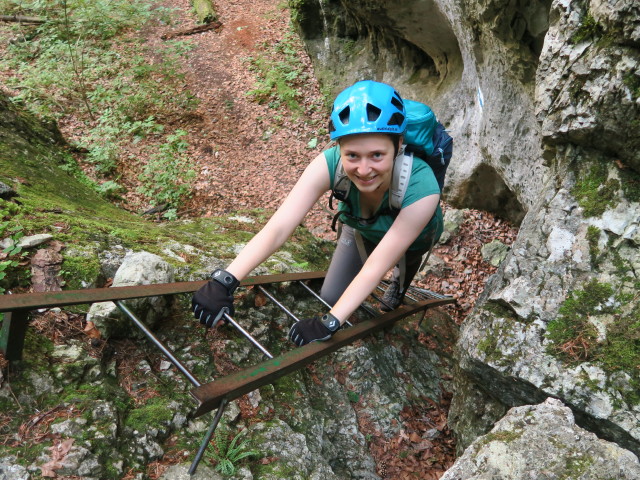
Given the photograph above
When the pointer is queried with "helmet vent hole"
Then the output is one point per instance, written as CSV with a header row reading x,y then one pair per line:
x,y
396,101
396,119
344,116
373,112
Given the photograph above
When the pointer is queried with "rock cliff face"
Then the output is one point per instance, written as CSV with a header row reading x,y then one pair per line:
x,y
543,101
473,62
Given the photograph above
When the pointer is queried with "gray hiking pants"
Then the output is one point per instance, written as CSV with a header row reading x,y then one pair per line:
x,y
347,262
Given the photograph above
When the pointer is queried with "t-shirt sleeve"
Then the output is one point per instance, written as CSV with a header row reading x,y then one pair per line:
x,y
332,156
422,183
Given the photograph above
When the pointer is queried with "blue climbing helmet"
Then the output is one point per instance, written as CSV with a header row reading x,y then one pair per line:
x,y
367,107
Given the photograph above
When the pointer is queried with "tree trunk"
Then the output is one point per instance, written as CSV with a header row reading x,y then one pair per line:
x,y
205,11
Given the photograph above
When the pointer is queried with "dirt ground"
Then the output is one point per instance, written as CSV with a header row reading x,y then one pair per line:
x,y
249,155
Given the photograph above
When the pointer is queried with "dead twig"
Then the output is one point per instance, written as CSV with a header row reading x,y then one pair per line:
x,y
22,19
191,31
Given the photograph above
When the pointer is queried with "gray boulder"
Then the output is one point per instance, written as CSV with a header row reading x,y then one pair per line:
x,y
536,442
140,268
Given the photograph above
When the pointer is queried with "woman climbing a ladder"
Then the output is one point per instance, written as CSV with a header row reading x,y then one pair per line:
x,y
389,211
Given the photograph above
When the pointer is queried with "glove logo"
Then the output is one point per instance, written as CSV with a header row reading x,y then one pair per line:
x,y
332,325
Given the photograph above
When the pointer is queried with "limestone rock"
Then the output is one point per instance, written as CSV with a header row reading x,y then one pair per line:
x,y
543,442
494,252
141,268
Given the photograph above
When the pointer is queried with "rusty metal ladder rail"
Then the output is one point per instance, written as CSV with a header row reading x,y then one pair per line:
x,y
230,387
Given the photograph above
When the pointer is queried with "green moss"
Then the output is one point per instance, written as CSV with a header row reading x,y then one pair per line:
x,y
593,236
577,465
632,80
488,345
573,338
575,90
502,436
572,321
287,389
499,310
155,414
349,47
593,190
37,348
502,320
630,181
79,272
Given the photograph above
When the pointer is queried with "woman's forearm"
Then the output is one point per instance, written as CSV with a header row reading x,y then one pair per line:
x,y
261,247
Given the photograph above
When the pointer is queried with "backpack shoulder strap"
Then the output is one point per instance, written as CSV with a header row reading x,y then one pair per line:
x,y
400,178
341,183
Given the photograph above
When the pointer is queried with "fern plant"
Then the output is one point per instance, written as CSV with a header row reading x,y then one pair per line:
x,y
227,453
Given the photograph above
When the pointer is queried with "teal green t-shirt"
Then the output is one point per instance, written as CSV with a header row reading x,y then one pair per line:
x,y
421,184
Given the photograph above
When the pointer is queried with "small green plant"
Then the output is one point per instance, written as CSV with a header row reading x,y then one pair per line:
x,y
168,176
227,453
353,396
109,189
280,74
10,257
589,28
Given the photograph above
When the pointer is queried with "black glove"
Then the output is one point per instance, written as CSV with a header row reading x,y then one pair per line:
x,y
215,298
316,329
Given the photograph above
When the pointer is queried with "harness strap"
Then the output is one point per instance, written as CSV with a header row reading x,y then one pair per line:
x,y
402,272
360,244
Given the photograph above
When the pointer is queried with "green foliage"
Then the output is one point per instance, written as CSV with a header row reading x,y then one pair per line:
x,y
589,29
154,414
630,180
227,453
596,189
109,189
86,60
573,336
573,318
9,257
632,80
168,176
280,75
353,396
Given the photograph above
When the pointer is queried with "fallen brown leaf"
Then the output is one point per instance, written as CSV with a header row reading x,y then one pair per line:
x,y
91,331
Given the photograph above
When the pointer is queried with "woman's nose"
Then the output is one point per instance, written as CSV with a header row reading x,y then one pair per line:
x,y
364,166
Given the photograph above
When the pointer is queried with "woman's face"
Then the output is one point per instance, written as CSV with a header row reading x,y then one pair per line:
x,y
367,160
